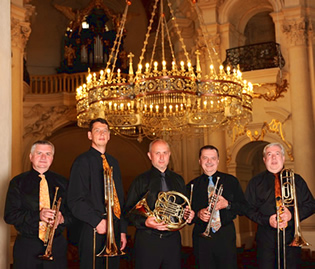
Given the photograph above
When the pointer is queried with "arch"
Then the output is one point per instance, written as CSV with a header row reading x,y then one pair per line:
x,y
260,28
237,147
239,12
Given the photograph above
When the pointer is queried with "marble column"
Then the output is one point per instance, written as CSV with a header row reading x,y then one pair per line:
x,y
301,106
20,32
5,125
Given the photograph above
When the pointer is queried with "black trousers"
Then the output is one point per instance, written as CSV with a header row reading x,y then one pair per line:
x,y
267,257
86,249
26,253
153,251
217,252
267,249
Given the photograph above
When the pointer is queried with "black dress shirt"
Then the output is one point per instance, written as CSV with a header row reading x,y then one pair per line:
x,y
22,202
260,194
232,192
150,183
86,188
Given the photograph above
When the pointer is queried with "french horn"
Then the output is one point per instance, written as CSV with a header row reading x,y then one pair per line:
x,y
169,207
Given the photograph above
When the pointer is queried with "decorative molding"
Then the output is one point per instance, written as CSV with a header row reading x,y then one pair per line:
x,y
297,31
45,119
20,32
270,91
275,127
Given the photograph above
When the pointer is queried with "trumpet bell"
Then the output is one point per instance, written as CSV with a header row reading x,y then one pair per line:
x,y
47,257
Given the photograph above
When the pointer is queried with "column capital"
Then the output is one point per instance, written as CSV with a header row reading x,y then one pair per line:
x,y
20,25
297,31
20,32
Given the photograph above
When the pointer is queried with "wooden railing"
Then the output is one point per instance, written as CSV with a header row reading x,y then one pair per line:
x,y
44,84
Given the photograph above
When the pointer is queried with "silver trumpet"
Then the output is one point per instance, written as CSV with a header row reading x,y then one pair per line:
x,y
213,200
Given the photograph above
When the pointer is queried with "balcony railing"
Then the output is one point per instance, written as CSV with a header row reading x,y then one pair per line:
x,y
254,57
43,84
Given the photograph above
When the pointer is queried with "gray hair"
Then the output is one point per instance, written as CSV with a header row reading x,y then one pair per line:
x,y
43,142
272,145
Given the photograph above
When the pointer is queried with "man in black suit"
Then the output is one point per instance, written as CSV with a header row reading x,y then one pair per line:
x,y
155,245
219,251
87,202
23,210
261,194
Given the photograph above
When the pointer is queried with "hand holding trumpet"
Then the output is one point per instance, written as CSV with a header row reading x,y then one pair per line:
x,y
204,214
48,215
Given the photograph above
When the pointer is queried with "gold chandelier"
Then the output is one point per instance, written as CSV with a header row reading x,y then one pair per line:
x,y
170,100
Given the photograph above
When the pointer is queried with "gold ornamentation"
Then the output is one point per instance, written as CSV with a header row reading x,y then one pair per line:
x,y
275,127
271,91
167,100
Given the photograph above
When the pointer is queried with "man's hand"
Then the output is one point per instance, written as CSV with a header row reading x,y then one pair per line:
x,y
285,217
204,214
47,215
123,241
222,203
101,227
60,219
188,214
152,223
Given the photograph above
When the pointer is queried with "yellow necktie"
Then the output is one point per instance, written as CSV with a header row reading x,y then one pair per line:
x,y
44,202
116,201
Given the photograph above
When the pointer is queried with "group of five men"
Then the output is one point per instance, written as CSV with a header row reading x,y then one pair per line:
x,y
156,246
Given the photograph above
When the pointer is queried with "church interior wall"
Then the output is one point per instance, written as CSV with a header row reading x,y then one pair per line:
x,y
232,24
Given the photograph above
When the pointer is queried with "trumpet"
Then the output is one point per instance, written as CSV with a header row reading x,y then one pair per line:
x,y
50,232
169,207
110,248
288,199
212,204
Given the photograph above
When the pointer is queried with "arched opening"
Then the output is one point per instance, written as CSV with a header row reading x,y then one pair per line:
x,y
259,29
249,163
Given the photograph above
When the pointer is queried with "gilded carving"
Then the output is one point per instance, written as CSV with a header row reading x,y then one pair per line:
x,y
275,127
270,91
45,119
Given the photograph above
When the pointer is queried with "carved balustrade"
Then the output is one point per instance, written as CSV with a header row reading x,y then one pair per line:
x,y
57,83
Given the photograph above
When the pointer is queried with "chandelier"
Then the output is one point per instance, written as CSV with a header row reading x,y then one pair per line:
x,y
163,98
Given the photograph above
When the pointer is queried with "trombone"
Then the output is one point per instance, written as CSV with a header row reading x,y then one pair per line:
x,y
110,249
212,204
50,232
288,198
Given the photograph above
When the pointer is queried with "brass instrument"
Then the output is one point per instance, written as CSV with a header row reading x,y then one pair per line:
x,y
212,204
110,249
169,207
288,198
50,232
